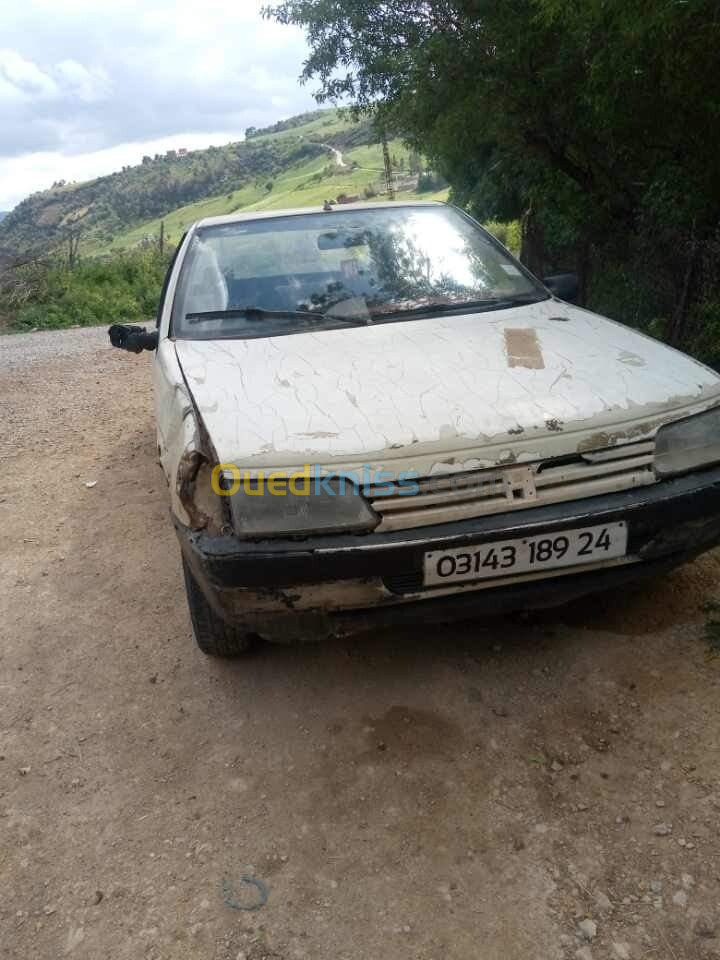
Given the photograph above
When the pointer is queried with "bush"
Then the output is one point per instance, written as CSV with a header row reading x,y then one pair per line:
x,y
509,234
429,182
121,289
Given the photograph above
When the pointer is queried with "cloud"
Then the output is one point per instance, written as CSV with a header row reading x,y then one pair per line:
x,y
88,86
82,80
22,80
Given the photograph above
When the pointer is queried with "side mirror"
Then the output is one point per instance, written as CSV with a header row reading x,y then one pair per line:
x,y
133,339
565,286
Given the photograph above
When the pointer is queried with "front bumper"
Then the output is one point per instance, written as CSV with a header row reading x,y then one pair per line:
x,y
335,584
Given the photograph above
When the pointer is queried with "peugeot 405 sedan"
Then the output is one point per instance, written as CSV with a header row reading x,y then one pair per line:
x,y
374,413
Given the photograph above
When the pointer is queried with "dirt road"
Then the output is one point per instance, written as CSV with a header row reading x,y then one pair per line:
x,y
471,793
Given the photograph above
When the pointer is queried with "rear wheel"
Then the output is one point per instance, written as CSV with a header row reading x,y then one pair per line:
x,y
215,636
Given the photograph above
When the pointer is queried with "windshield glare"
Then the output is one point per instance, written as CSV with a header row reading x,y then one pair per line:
x,y
354,265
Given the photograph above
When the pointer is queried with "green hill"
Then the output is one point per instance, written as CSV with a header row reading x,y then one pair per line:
x,y
297,162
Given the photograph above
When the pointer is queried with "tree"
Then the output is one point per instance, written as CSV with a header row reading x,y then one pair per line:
x,y
591,122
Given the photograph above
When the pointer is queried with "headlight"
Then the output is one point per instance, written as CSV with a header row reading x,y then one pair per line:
x,y
687,444
302,508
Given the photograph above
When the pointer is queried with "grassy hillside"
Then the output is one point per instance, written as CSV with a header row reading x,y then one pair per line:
x,y
100,210
305,184
289,164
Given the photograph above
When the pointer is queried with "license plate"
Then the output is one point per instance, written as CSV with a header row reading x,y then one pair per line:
x,y
547,551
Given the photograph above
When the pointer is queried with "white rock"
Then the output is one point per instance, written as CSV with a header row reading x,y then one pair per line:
x,y
584,953
603,901
680,898
587,929
621,951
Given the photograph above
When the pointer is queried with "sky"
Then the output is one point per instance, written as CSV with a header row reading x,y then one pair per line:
x,y
87,87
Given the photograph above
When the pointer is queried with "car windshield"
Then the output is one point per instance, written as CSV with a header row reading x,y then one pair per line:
x,y
289,274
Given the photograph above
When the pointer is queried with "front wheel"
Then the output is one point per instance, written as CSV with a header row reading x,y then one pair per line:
x,y
213,635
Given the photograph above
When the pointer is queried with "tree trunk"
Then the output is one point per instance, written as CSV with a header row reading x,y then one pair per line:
x,y
584,267
676,330
532,247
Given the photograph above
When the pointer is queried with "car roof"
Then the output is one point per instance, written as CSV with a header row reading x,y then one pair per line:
x,y
243,216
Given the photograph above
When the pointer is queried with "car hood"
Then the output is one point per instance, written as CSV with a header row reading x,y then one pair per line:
x,y
440,394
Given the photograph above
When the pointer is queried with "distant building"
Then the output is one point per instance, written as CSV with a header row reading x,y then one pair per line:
x,y
182,152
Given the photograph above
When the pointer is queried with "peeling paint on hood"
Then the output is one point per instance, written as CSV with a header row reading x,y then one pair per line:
x,y
440,393
523,349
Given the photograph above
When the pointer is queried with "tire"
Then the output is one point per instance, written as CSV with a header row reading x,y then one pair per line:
x,y
215,636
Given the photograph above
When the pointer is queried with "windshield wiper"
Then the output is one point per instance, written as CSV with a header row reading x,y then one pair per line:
x,y
463,306
260,313
519,299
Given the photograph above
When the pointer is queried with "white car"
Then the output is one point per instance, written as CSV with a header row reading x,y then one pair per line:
x,y
374,413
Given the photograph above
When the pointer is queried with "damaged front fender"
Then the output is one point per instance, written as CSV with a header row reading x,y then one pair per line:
x,y
185,451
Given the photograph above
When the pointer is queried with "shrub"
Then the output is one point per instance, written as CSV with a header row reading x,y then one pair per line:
x,y
428,182
120,289
509,234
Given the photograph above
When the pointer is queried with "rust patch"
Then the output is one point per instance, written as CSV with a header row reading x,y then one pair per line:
x,y
187,471
203,507
601,440
523,349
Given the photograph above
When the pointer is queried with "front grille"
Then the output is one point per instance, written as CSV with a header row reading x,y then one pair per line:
x,y
480,493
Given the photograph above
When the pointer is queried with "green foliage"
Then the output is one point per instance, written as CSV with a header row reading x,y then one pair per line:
x,y
304,184
125,288
509,234
428,182
591,122
283,126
